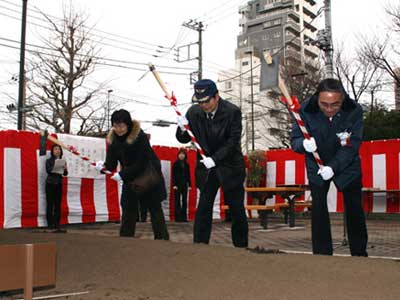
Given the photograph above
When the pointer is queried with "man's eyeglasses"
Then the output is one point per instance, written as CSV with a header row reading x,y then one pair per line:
x,y
335,105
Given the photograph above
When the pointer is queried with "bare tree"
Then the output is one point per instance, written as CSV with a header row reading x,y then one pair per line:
x,y
58,97
358,74
383,52
301,81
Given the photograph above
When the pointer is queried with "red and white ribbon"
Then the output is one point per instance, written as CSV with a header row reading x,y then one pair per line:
x,y
173,102
294,107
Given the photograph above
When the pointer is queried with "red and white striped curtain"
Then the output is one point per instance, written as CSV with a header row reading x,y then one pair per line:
x,y
89,197
380,169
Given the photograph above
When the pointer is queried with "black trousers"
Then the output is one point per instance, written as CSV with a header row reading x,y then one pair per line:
x,y
203,219
142,211
181,204
53,204
355,219
129,215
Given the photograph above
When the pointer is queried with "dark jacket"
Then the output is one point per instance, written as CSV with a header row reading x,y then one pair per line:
x,y
222,144
181,174
344,160
53,178
134,153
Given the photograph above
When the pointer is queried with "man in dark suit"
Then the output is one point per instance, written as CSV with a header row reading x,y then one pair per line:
x,y
217,126
335,123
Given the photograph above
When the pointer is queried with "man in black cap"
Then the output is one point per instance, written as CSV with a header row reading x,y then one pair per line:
x,y
217,126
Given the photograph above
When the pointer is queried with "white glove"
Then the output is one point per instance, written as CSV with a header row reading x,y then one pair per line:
x,y
326,173
99,165
182,121
208,162
310,145
116,177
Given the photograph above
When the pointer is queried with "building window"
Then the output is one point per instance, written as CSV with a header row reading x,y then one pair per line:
x,y
228,85
272,23
277,34
277,21
245,63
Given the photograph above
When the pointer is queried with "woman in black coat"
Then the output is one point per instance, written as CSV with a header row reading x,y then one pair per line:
x,y
181,183
129,145
54,188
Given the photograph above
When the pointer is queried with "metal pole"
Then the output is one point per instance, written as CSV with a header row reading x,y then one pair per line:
x,y
108,109
328,49
200,29
252,100
21,83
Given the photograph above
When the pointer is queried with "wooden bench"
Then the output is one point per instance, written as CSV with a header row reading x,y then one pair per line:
x,y
276,206
265,209
25,266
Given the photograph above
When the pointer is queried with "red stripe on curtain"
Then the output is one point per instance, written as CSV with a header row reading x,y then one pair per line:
x,y
114,213
339,202
367,178
392,176
3,139
87,200
192,195
28,143
300,176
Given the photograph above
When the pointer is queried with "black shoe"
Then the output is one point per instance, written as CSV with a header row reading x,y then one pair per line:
x,y
59,230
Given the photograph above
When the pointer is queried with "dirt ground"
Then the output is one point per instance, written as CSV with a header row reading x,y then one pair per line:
x,y
110,267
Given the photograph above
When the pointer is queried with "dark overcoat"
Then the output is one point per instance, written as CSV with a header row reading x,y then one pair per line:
x,y
134,152
181,174
343,158
220,141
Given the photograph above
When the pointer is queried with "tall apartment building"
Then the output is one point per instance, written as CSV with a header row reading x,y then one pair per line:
x,y
284,28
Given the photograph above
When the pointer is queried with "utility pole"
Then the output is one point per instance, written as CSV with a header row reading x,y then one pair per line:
x,y
199,27
328,49
21,83
324,40
252,98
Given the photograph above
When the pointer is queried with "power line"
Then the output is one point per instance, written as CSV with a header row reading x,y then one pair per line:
x,y
40,12
215,13
158,52
96,57
100,63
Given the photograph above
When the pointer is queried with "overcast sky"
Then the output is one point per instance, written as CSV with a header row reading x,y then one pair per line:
x,y
132,31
